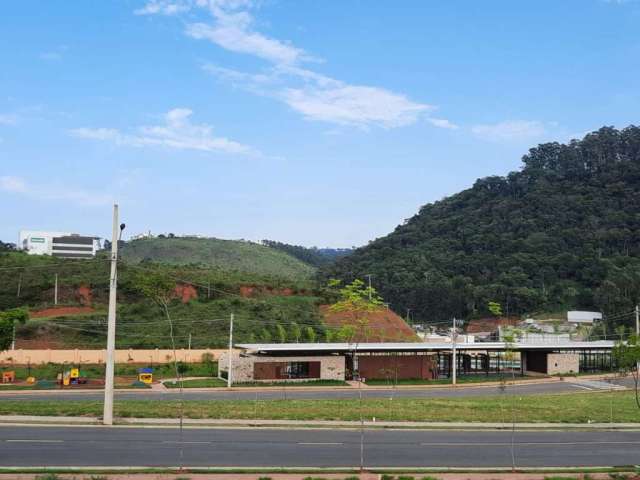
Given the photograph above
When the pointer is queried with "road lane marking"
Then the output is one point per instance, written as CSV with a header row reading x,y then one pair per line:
x,y
506,444
187,442
33,441
582,387
320,443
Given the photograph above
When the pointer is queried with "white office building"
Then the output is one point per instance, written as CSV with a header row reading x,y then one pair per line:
x,y
58,244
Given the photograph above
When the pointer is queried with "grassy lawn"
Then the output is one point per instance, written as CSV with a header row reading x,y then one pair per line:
x,y
574,408
198,383
50,371
216,382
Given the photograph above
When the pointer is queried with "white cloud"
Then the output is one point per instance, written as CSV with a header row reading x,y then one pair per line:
x,y
13,184
55,54
51,56
232,33
17,185
8,119
176,132
510,131
442,123
163,7
315,96
321,98
354,105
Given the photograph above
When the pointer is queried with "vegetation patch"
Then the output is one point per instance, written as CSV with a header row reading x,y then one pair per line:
x,y
585,408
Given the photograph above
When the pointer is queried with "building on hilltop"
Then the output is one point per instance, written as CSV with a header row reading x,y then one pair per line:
x,y
58,244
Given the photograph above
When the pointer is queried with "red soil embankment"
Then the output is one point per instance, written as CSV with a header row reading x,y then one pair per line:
x,y
490,324
60,311
185,293
383,325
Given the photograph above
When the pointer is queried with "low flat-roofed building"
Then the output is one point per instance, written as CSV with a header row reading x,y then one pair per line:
x,y
426,361
58,244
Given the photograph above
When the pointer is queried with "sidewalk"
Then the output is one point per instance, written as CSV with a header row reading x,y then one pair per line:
x,y
301,424
318,474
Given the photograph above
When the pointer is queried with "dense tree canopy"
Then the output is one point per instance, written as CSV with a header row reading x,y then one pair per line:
x,y
563,232
317,257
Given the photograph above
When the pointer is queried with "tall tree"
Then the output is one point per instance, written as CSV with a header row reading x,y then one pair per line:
x,y
9,320
358,301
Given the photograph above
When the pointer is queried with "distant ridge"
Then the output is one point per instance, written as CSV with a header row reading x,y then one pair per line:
x,y
230,255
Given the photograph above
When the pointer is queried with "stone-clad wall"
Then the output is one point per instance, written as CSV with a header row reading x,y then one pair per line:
x,y
562,363
332,367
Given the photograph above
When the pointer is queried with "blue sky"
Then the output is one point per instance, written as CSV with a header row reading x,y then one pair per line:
x,y
314,123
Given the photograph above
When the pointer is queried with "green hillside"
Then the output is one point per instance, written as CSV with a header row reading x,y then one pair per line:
x,y
563,232
274,308
229,255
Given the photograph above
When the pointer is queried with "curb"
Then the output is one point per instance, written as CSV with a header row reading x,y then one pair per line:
x,y
304,424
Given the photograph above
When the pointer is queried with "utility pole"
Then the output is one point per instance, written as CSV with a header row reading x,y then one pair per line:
x,y
229,363
55,291
189,340
107,416
19,286
637,332
208,289
369,275
408,312
454,363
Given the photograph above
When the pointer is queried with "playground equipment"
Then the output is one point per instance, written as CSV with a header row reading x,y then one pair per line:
x,y
71,377
9,376
145,375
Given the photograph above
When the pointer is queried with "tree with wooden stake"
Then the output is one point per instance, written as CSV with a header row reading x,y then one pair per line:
x,y
161,290
9,319
358,301
627,356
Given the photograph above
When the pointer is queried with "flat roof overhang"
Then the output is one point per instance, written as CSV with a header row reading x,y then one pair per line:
x,y
331,348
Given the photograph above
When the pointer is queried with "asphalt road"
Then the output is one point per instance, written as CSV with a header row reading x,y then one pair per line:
x,y
296,393
102,446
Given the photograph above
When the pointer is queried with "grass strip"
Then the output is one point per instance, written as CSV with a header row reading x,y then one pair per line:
x,y
217,383
446,381
574,408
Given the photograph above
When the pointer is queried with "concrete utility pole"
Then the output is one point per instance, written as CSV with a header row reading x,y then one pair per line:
x,y
454,363
107,416
369,275
229,363
637,331
19,286
55,291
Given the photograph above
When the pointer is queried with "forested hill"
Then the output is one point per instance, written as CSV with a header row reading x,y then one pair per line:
x,y
316,257
563,232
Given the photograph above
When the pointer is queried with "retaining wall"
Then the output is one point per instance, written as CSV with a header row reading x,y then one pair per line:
x,y
23,357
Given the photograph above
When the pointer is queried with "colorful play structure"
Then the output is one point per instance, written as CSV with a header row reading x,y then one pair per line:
x,y
71,377
145,375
